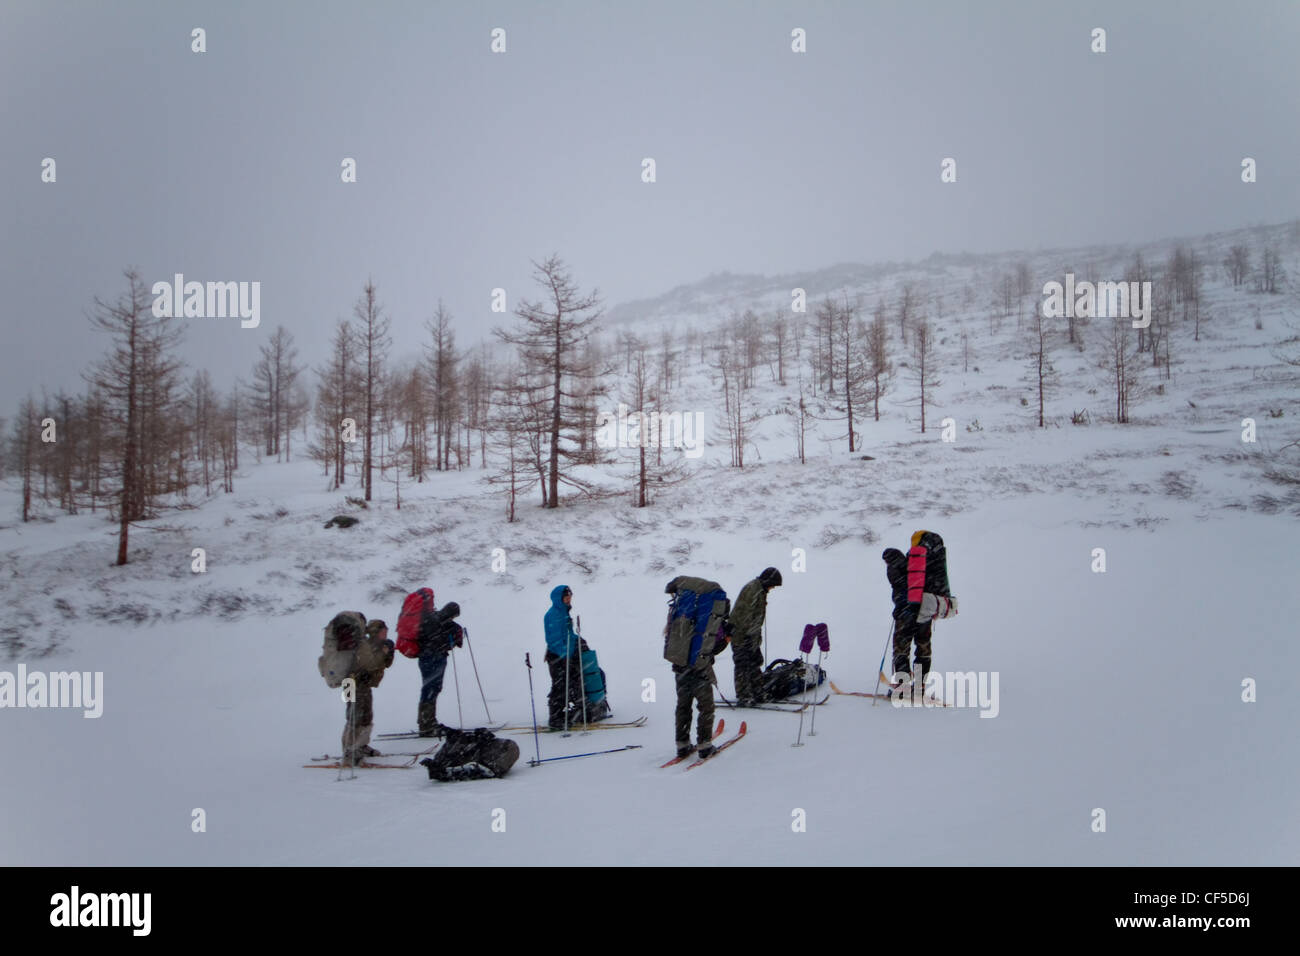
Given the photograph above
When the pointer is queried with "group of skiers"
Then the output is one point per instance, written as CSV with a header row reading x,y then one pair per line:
x,y
702,623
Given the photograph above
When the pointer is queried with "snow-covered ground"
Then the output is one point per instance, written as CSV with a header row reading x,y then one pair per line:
x,y
1119,690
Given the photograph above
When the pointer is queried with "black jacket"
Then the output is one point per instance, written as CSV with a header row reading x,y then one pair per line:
x,y
439,631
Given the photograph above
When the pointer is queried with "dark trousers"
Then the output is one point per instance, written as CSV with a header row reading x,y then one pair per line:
x,y
559,666
748,659
694,686
361,712
906,633
432,670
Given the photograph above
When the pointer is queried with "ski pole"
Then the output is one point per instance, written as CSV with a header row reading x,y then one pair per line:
x,y
823,646
582,674
532,700
881,669
568,666
805,648
456,677
594,753
476,677
350,755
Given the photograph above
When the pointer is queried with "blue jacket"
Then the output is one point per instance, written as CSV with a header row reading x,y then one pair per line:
x,y
560,639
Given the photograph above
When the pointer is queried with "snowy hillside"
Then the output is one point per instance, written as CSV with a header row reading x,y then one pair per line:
x,y
1119,690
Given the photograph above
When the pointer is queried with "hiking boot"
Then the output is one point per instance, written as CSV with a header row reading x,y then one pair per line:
x,y
684,750
427,719
707,751
369,751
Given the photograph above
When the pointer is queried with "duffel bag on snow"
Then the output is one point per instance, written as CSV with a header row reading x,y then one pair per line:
x,y
472,755
784,678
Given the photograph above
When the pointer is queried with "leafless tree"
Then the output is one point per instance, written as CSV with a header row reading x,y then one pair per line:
x,y
1119,359
444,380
1237,264
548,338
372,336
1041,362
274,377
880,368
1270,274
922,372
136,380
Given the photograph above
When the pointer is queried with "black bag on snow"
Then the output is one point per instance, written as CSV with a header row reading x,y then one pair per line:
x,y
472,755
784,678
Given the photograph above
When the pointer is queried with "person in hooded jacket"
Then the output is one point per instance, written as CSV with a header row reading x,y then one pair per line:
x,y
564,658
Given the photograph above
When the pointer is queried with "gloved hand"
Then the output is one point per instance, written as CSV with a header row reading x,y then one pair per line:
x,y
460,636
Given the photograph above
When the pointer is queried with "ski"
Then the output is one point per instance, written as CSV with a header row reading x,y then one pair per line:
x,y
409,734
409,753
793,709
364,765
602,725
721,747
857,693
906,696
716,734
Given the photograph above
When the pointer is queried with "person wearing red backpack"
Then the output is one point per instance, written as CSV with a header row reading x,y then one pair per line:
x,y
439,633
922,595
429,635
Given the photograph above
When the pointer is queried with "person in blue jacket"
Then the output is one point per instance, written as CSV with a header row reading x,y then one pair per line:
x,y
565,653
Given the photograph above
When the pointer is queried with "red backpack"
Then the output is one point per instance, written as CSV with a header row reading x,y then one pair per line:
x,y
417,604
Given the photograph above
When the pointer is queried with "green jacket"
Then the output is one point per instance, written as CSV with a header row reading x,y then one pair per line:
x,y
748,614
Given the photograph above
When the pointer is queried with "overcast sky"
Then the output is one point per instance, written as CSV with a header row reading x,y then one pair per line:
x,y
225,165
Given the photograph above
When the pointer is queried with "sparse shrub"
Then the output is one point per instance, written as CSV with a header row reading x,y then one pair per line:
x,y
974,426
1275,414
1259,323
356,502
1024,401
1080,417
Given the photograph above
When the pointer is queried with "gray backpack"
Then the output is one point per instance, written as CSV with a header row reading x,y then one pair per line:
x,y
339,654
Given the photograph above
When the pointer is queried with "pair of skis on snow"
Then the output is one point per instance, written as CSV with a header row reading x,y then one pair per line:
x,y
338,764
889,695
716,750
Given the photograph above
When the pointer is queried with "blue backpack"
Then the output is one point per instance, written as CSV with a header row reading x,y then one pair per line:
x,y
698,611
